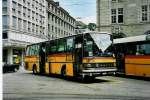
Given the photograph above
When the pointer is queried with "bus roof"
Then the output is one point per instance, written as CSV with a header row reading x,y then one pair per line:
x,y
130,39
72,36
96,32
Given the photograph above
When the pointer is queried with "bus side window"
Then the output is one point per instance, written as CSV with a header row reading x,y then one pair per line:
x,y
53,47
70,45
28,51
140,50
31,50
61,45
147,49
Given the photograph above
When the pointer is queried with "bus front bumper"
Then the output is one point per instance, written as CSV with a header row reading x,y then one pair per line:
x,y
98,71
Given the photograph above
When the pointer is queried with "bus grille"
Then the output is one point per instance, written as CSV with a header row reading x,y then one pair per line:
x,y
98,65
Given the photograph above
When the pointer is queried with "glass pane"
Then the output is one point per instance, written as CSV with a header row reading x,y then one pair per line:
x,y
147,49
143,49
120,18
103,41
120,10
14,22
4,3
5,20
89,48
53,47
61,45
5,10
113,19
144,8
113,11
69,44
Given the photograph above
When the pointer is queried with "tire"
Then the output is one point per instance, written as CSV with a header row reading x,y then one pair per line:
x,y
34,69
63,72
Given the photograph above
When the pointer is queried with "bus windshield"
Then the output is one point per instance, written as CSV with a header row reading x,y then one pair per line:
x,y
103,41
97,44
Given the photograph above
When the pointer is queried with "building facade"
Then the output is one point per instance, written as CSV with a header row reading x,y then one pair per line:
x,y
130,17
28,21
60,22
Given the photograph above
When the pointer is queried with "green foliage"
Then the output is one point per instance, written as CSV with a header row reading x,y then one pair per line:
x,y
92,26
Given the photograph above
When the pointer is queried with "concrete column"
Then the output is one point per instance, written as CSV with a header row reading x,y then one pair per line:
x,y
98,14
10,56
22,57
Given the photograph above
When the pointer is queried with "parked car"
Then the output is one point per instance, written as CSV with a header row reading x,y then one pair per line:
x,y
10,67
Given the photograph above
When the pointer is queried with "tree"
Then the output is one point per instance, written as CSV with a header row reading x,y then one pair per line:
x,y
92,26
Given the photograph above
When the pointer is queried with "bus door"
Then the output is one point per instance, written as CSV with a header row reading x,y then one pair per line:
x,y
78,52
42,57
119,51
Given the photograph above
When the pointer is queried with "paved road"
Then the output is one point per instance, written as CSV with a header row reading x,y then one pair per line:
x,y
23,85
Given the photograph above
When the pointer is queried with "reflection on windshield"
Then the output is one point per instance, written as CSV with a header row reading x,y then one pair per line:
x,y
103,41
92,49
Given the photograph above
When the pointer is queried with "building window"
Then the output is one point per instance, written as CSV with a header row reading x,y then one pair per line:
x,y
5,10
144,13
114,0
5,35
29,11
36,28
14,11
14,22
33,14
24,1
4,3
52,18
113,15
28,4
24,25
24,11
52,28
19,24
14,5
37,17
19,13
5,21
117,15
33,27
29,27
19,7
120,15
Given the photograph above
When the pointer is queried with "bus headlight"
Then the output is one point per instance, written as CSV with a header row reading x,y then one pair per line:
x,y
97,65
87,65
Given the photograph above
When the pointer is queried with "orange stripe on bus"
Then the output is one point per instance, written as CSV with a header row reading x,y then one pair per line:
x,y
138,56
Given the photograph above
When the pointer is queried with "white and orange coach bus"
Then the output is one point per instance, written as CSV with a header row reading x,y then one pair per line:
x,y
133,55
84,55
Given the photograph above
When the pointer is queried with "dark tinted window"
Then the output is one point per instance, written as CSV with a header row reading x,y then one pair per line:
x,y
5,36
61,45
53,47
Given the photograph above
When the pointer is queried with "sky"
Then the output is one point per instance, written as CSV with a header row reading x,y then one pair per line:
x,y
83,10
